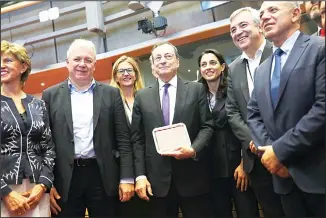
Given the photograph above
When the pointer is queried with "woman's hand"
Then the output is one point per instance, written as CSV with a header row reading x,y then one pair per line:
x,y
35,195
16,203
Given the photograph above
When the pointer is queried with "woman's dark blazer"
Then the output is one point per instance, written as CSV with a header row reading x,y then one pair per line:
x,y
26,147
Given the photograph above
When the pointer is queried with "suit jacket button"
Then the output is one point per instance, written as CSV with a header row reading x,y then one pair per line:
x,y
70,165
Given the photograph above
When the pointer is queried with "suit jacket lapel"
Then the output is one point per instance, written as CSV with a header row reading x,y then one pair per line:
x,y
66,102
267,82
180,99
218,113
155,99
268,51
292,60
242,71
97,102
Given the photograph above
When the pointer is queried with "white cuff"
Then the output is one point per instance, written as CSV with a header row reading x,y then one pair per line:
x,y
127,181
141,177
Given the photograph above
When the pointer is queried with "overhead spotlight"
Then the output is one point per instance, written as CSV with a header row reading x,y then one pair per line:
x,y
43,16
53,13
135,5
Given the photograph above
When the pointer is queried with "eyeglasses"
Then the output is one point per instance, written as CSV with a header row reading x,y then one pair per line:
x,y
79,60
167,56
128,70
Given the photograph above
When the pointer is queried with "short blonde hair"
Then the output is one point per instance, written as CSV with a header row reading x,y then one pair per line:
x,y
20,53
138,82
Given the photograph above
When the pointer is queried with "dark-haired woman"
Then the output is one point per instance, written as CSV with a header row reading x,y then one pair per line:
x,y
229,181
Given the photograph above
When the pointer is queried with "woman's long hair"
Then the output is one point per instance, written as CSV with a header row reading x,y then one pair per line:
x,y
138,82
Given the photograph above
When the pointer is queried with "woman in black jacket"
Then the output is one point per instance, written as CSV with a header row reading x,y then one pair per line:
x,y
27,150
126,76
229,182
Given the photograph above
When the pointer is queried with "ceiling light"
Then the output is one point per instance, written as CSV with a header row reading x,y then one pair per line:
x,y
53,13
43,16
135,5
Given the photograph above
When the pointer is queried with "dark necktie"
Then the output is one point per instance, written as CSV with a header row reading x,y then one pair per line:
x,y
275,81
166,105
322,32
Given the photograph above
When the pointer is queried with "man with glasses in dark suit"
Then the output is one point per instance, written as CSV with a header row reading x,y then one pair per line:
x,y
176,179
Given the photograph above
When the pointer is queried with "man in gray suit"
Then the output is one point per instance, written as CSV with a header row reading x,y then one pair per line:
x,y
248,37
177,179
286,112
90,130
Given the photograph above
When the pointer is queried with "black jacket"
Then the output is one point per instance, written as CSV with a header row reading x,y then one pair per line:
x,y
224,153
27,149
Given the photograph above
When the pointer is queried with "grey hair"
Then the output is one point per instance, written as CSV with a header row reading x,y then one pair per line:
x,y
84,42
165,43
294,4
253,12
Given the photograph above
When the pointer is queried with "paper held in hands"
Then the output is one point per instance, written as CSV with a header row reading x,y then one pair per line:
x,y
168,138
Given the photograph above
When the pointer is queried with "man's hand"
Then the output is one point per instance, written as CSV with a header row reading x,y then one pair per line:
x,y
142,188
54,196
182,152
241,177
126,191
269,159
252,147
16,203
283,172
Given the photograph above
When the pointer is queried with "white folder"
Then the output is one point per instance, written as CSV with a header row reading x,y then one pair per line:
x,y
168,138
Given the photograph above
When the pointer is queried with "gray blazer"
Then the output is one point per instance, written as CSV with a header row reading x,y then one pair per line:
x,y
236,105
111,136
296,127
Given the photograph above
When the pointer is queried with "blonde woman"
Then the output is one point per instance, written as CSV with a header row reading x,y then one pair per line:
x,y
27,150
127,77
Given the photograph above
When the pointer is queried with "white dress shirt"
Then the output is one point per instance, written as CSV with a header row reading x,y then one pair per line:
x,y
82,120
253,64
287,48
128,111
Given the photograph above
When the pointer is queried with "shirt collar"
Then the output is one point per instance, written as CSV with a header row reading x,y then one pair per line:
x,y
172,82
289,43
73,88
258,52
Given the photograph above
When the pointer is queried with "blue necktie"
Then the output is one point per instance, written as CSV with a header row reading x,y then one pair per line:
x,y
275,81
166,105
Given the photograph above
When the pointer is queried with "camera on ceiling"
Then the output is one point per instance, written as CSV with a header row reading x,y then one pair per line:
x,y
159,22
148,27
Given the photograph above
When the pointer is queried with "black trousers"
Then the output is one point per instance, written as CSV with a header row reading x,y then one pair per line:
x,y
86,191
136,207
168,206
301,204
224,193
262,184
